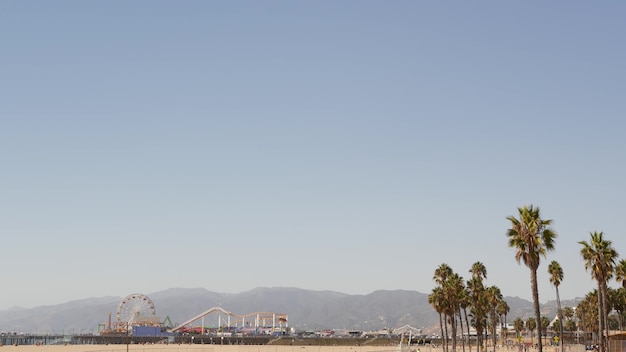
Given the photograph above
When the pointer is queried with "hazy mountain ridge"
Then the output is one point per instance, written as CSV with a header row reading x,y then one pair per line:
x,y
307,309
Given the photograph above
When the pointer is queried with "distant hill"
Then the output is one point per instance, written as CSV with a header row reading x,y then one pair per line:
x,y
307,309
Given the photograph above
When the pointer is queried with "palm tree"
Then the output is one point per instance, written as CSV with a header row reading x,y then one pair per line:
x,y
476,297
619,303
620,272
463,303
503,309
479,270
587,314
570,325
531,325
442,273
494,296
568,314
476,292
600,256
612,299
620,276
454,289
448,298
556,276
436,299
532,238
556,326
518,325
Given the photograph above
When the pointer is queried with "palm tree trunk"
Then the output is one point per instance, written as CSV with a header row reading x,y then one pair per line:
x,y
444,337
561,322
533,285
467,325
479,336
461,326
502,337
493,336
486,337
600,319
453,327
506,329
605,313
441,326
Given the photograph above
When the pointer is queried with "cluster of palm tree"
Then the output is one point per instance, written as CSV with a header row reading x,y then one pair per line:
x,y
587,310
601,259
531,325
532,238
452,298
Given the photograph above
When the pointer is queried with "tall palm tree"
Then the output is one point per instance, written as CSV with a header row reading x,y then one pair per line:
x,y
451,295
442,276
454,289
436,299
442,273
477,300
556,277
532,238
463,303
476,292
479,270
494,296
600,257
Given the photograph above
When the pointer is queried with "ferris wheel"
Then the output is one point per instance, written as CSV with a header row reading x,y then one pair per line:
x,y
136,308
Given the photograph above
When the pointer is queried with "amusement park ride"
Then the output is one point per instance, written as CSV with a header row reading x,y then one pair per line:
x,y
134,310
136,316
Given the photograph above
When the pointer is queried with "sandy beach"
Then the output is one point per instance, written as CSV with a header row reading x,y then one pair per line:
x,y
197,348
247,348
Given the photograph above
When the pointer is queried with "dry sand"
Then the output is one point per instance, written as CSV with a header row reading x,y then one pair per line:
x,y
249,348
198,348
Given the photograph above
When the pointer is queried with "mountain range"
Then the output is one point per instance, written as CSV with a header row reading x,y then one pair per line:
x,y
306,309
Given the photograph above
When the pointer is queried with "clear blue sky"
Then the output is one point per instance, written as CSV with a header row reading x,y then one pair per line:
x,y
328,145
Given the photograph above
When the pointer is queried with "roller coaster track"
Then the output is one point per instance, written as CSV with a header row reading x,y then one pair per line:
x,y
259,316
